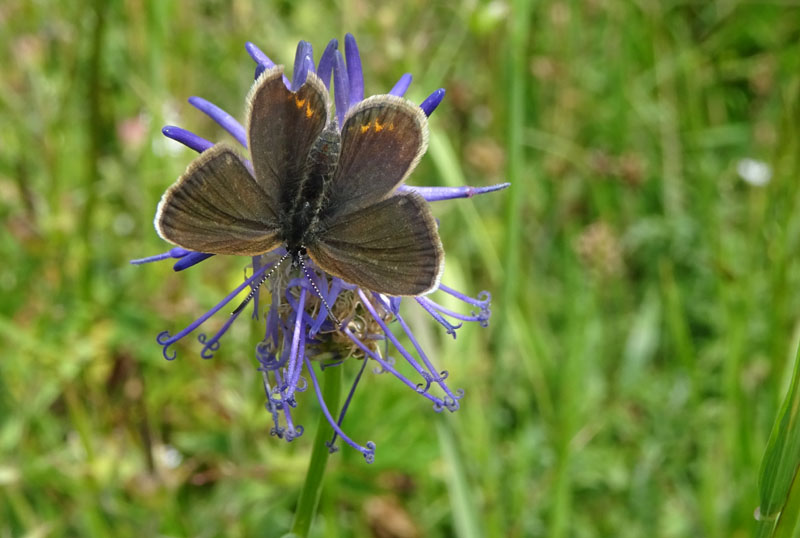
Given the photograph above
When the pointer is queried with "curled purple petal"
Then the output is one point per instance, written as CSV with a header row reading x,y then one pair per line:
x,y
175,252
369,450
297,351
179,252
387,366
256,263
410,359
166,339
401,87
151,259
326,62
225,120
303,63
187,138
354,71
329,296
341,87
432,101
347,401
394,304
432,375
483,300
451,329
210,345
309,64
436,194
438,311
258,56
292,432
191,259
271,406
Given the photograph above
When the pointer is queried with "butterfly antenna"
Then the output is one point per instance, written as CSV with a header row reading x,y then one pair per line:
x,y
254,290
319,294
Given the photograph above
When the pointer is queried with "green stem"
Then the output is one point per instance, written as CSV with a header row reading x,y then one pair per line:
x,y
312,488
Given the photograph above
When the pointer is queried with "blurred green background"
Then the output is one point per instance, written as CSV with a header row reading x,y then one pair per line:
x,y
646,301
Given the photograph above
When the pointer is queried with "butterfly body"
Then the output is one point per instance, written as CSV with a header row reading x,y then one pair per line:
x,y
303,209
315,189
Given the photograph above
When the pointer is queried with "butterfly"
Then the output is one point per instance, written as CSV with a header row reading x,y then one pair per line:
x,y
316,190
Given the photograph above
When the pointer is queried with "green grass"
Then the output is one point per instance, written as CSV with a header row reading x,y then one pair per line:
x,y
646,299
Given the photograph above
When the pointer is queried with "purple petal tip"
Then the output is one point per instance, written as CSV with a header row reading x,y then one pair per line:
x,y
326,62
433,101
193,258
258,55
354,72
187,138
401,86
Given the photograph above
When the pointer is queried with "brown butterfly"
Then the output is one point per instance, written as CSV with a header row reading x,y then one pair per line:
x,y
314,189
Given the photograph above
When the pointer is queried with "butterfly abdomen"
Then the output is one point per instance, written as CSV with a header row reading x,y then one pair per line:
x,y
303,213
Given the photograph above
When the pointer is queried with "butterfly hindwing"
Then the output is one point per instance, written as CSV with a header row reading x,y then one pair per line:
x,y
217,207
391,247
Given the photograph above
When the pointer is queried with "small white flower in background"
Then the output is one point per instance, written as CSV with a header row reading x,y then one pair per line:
x,y
169,456
756,173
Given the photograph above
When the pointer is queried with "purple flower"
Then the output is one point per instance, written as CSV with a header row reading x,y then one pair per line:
x,y
314,320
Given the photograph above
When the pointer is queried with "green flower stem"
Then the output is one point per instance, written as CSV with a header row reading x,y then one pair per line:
x,y
312,488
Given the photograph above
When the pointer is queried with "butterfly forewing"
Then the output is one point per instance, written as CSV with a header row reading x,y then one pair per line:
x,y
282,127
382,140
217,207
391,247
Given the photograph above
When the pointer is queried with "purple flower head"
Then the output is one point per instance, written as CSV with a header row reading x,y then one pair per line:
x,y
314,320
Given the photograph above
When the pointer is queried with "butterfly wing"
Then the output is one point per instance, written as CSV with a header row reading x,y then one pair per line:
x,y
282,127
382,140
216,206
391,247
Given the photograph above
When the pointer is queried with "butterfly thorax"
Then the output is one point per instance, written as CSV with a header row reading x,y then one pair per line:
x,y
303,205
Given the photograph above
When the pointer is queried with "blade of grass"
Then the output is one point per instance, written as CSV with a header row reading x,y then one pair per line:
x,y
778,487
516,122
461,500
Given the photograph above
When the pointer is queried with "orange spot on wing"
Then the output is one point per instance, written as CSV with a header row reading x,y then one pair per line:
x,y
378,126
309,112
364,128
299,102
